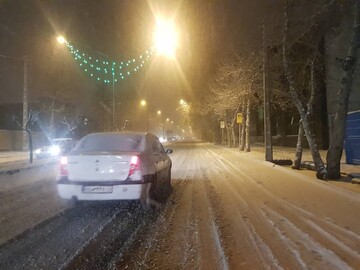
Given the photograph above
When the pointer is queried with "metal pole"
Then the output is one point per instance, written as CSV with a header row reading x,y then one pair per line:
x,y
239,136
222,136
267,121
163,128
113,105
25,106
147,117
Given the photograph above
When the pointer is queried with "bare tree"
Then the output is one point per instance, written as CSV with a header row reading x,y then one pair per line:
x,y
337,127
71,126
295,94
32,119
236,88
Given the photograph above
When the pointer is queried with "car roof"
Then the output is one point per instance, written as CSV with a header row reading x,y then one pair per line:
x,y
61,139
128,133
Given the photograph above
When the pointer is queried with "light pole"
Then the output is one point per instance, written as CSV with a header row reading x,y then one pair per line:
x,y
162,123
143,103
113,102
25,105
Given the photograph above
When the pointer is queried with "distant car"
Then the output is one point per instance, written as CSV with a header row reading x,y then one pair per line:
x,y
115,166
56,147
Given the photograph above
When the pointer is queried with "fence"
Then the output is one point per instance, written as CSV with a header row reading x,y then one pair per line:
x,y
11,140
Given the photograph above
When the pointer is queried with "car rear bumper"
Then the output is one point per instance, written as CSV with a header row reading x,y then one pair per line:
x,y
119,192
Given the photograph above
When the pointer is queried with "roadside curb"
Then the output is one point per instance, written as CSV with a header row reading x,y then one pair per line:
x,y
355,181
355,178
13,168
309,165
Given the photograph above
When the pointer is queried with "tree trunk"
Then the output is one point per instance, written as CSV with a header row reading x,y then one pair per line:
x,y
30,145
233,137
248,122
299,148
228,135
243,134
337,129
319,164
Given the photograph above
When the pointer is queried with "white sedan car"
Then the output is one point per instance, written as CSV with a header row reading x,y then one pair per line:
x,y
115,166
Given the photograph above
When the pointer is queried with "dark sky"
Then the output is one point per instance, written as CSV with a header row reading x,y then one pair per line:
x,y
209,30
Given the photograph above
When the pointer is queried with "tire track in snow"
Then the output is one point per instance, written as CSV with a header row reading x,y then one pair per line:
x,y
278,200
327,226
265,254
299,240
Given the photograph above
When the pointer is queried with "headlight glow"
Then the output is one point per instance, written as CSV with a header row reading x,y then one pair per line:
x,y
38,151
55,150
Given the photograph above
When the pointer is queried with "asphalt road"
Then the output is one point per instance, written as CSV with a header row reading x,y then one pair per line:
x,y
226,211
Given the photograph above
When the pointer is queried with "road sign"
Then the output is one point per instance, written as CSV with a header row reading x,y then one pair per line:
x,y
222,124
239,118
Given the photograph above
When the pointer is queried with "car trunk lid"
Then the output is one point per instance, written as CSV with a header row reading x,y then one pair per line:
x,y
100,166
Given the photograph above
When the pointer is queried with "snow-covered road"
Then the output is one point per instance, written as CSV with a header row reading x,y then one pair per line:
x,y
226,211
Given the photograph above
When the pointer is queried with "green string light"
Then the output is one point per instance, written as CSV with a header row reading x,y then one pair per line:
x,y
105,70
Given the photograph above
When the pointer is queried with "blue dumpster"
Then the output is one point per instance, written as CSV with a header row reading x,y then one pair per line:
x,y
352,138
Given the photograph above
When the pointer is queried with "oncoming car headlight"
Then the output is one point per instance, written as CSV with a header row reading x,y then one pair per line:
x,y
54,150
38,151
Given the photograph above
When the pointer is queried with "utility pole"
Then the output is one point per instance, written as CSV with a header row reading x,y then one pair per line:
x,y
266,88
25,105
147,117
113,103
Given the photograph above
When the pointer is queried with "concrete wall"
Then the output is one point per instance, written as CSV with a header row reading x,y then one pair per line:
x,y
11,140
337,45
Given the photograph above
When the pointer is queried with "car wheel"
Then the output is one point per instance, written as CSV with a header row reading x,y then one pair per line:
x,y
147,199
169,178
71,203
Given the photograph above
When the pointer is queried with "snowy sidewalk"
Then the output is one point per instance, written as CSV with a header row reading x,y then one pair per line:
x,y
14,161
13,156
281,152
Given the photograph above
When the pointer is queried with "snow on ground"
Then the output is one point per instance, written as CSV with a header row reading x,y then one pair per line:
x,y
241,213
228,210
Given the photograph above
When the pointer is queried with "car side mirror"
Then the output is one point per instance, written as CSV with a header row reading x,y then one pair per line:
x,y
169,151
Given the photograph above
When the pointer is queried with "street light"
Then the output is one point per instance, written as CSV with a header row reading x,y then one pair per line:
x,y
143,103
61,39
159,112
165,37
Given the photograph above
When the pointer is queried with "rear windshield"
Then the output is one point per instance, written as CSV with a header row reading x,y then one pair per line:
x,y
110,142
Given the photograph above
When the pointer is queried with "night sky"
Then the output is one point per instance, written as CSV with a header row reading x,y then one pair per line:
x,y
209,31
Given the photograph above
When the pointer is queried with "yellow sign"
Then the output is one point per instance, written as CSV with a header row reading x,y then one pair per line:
x,y
239,118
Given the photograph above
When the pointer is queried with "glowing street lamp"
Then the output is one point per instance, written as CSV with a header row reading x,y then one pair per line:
x,y
61,39
159,112
165,37
143,102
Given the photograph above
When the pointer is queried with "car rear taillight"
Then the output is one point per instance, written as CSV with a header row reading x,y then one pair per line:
x,y
134,171
63,166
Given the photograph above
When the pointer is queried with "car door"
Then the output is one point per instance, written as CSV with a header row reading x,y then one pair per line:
x,y
163,161
156,157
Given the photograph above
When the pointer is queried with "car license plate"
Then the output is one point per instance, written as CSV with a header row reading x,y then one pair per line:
x,y
97,189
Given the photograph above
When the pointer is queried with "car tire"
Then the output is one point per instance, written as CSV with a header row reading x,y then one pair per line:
x,y
147,200
169,179
71,203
